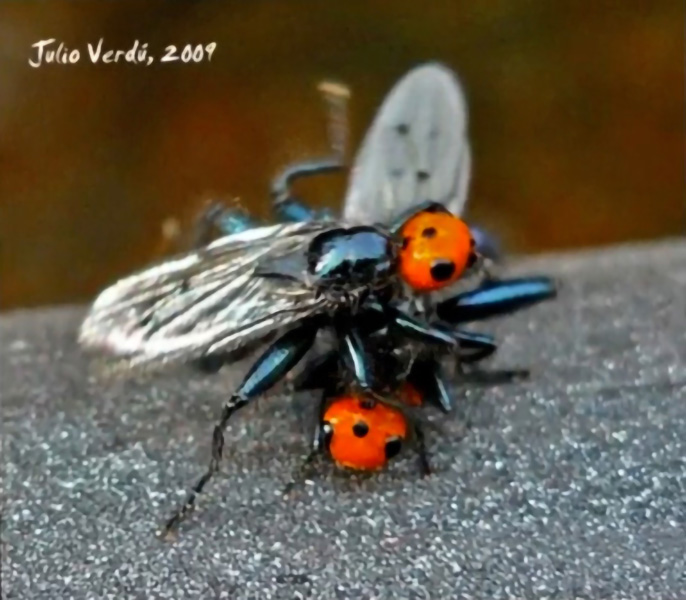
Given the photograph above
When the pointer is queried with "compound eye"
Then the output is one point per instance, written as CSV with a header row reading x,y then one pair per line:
x,y
393,446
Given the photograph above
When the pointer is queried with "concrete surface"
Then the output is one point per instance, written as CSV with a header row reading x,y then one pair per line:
x,y
570,485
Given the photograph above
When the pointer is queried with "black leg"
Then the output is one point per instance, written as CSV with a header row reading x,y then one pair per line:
x,y
427,378
287,206
494,298
321,436
318,373
268,370
355,359
419,330
422,452
422,332
481,377
473,346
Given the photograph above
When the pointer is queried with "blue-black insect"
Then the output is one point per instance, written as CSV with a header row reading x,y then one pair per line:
x,y
399,240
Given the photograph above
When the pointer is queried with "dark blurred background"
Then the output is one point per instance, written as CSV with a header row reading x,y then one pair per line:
x,y
576,112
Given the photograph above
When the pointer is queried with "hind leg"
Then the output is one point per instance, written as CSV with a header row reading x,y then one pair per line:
x,y
267,371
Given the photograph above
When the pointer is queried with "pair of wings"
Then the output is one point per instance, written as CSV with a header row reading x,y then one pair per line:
x,y
211,301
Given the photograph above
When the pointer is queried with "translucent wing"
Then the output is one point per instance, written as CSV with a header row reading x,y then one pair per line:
x,y
204,302
416,149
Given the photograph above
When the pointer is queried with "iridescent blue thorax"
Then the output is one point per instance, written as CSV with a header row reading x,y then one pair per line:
x,y
351,257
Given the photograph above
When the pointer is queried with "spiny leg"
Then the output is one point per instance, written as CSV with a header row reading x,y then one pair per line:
x,y
286,205
268,370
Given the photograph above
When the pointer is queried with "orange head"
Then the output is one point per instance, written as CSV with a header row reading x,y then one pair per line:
x,y
363,436
437,247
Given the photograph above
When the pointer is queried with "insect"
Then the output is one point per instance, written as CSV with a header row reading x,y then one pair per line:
x,y
357,276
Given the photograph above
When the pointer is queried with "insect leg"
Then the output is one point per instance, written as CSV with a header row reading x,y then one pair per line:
x,y
321,436
232,221
419,330
494,298
427,378
227,220
318,373
482,377
287,206
355,358
268,370
474,346
422,452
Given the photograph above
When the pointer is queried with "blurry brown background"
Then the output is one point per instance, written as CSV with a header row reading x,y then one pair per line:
x,y
576,112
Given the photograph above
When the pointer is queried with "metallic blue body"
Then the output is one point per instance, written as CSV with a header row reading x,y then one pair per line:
x,y
276,361
495,298
355,256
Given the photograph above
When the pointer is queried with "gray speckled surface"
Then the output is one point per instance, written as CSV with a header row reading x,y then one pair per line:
x,y
570,485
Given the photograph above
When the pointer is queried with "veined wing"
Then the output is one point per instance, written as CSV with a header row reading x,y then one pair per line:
x,y
416,149
204,302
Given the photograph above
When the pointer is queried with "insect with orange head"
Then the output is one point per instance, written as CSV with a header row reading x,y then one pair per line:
x,y
355,277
